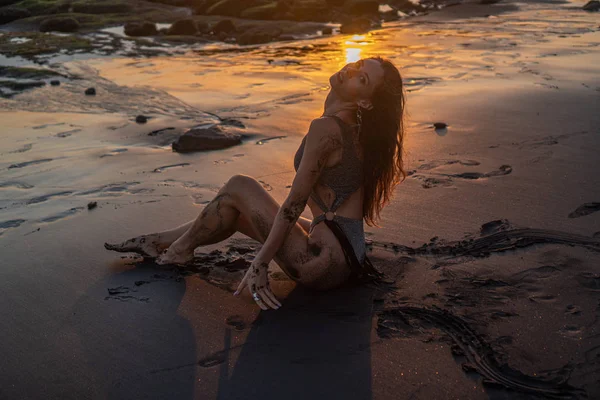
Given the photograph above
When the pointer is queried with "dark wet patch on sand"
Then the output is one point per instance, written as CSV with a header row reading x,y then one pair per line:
x,y
585,209
503,170
114,152
23,149
67,133
18,185
437,163
445,179
28,163
13,223
166,167
62,215
41,199
494,226
496,242
431,182
110,189
47,125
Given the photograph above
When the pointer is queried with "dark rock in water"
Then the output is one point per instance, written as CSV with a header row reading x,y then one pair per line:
x,y
199,139
105,7
258,35
59,25
91,205
593,5
389,16
327,30
183,27
202,26
141,119
55,83
90,91
10,14
356,25
362,7
140,29
223,26
440,125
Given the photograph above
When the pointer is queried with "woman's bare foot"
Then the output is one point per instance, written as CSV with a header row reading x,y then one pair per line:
x,y
146,245
175,254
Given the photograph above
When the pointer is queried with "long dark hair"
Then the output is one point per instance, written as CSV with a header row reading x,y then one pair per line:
x,y
381,138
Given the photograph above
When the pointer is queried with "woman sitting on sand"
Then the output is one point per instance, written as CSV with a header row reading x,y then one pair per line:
x,y
346,169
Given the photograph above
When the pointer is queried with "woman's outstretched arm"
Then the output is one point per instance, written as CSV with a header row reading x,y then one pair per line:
x,y
322,139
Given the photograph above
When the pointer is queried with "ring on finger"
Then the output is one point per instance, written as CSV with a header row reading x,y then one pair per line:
x,y
256,297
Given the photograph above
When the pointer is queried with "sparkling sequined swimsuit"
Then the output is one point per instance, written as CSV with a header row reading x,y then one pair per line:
x,y
344,179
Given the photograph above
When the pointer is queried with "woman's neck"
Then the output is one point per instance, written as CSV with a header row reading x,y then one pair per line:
x,y
343,109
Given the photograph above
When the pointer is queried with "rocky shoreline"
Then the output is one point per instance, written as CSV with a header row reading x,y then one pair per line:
x,y
32,29
26,22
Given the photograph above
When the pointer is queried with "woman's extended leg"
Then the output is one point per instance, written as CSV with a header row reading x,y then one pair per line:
x,y
151,245
243,205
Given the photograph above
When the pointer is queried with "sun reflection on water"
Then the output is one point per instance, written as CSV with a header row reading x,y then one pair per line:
x,y
355,46
352,54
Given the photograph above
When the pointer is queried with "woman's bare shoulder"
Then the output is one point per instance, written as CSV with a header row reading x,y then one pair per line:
x,y
324,128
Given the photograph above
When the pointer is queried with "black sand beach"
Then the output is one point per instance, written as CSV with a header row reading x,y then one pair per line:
x,y
490,247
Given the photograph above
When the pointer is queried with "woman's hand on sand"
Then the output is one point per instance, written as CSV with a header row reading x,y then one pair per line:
x,y
257,281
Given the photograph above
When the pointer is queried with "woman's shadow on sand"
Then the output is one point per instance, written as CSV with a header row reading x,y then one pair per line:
x,y
317,345
125,330
133,344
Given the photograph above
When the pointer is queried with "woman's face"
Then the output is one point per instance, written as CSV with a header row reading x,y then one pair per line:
x,y
357,81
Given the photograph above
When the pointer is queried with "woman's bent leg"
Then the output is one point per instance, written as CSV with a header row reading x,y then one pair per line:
x,y
243,205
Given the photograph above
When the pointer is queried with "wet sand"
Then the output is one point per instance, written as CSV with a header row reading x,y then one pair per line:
x,y
490,247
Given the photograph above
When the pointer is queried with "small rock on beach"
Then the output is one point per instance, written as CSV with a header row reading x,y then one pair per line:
x,y
141,119
201,139
593,5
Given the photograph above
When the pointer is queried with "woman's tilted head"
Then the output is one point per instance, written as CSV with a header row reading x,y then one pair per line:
x,y
375,85
358,81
